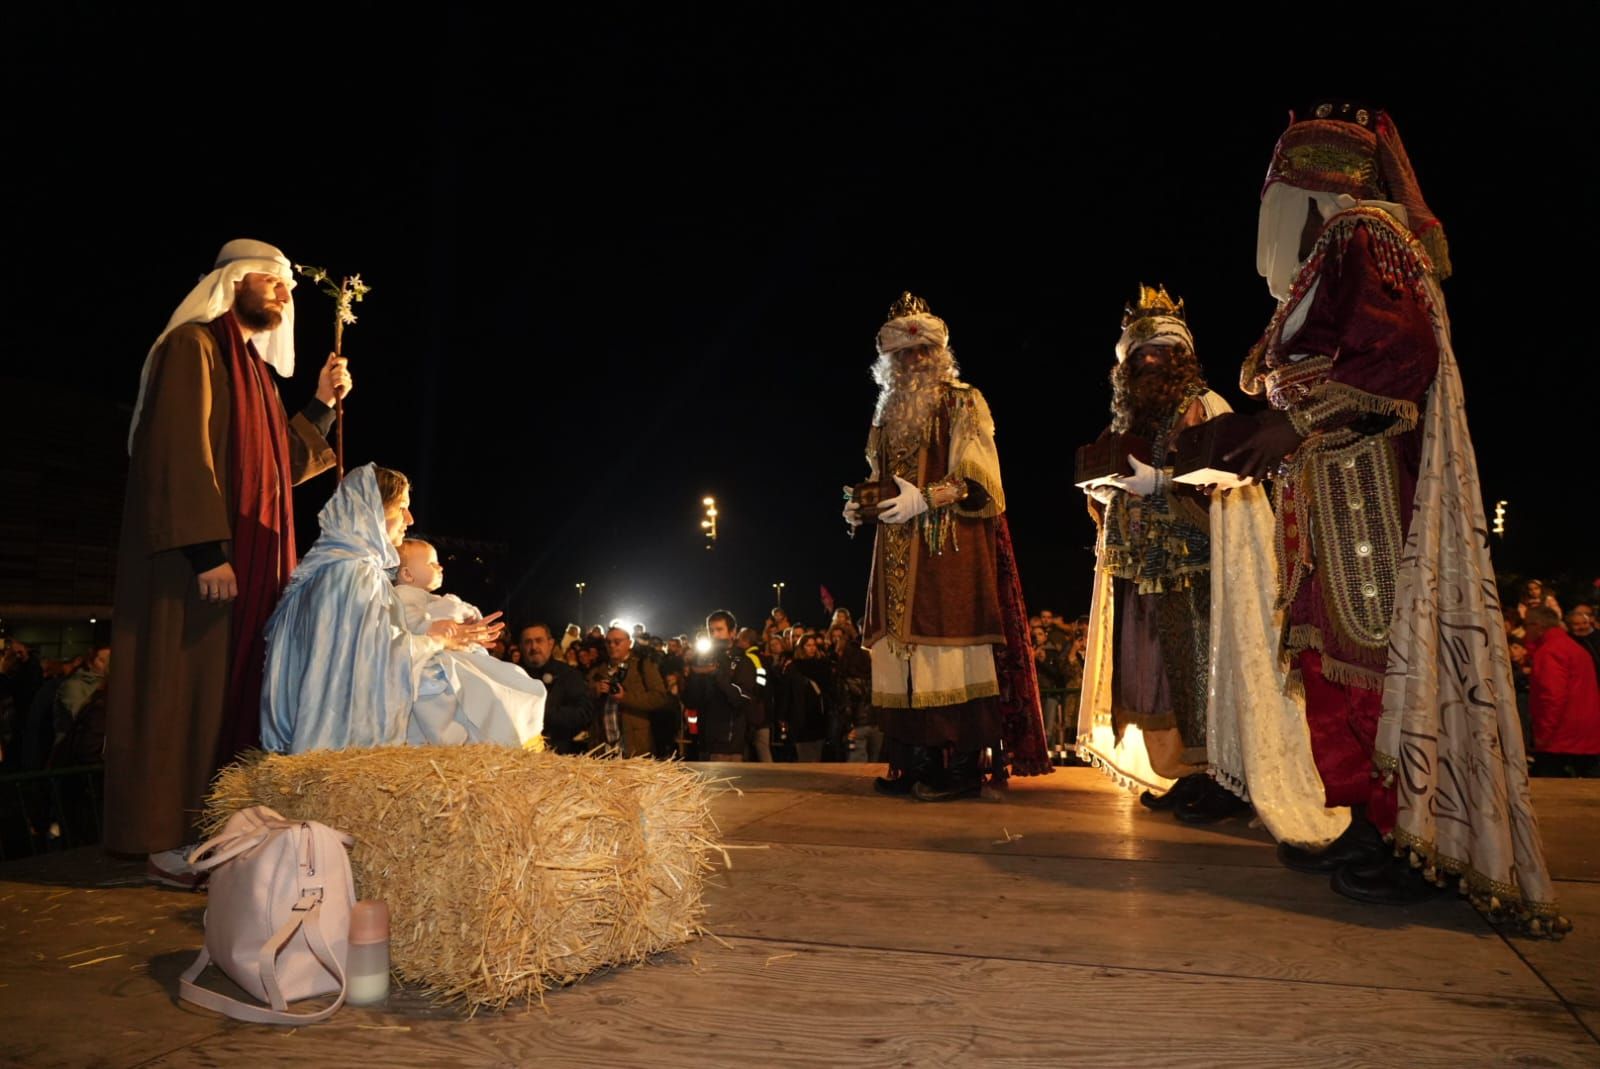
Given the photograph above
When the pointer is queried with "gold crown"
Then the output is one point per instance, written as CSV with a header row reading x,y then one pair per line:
x,y
909,305
1152,302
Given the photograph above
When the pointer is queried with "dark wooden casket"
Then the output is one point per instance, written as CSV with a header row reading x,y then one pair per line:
x,y
1200,450
1108,458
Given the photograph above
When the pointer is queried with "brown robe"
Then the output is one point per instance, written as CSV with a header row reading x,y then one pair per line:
x,y
940,597
948,598
165,704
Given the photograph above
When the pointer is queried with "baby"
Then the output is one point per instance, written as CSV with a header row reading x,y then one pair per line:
x,y
462,695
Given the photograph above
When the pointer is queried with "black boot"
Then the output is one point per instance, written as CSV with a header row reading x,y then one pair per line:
x,y
963,779
1395,882
1359,844
1180,792
1158,802
1211,803
919,766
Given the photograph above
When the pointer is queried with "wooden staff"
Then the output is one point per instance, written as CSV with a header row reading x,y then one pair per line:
x,y
338,404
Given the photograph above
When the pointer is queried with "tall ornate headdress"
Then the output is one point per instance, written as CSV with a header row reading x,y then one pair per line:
x,y
1355,149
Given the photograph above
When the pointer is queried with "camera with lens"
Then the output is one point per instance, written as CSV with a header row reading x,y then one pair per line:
x,y
711,653
615,677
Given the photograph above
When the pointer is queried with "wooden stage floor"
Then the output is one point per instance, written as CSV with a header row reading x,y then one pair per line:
x,y
1060,925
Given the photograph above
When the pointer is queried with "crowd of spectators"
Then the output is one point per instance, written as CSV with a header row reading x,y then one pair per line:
x,y
809,689
799,693
1058,646
52,712
805,693
812,697
809,699
52,717
1555,659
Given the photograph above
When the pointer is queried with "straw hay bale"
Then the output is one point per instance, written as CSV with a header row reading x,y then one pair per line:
x,y
507,872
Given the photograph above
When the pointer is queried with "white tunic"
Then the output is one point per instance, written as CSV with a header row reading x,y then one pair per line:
x,y
468,695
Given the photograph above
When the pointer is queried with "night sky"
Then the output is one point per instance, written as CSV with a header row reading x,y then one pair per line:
x,y
621,260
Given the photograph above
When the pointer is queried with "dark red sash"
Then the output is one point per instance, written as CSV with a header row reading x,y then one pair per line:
x,y
263,528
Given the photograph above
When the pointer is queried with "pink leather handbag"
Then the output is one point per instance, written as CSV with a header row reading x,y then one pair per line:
x,y
277,916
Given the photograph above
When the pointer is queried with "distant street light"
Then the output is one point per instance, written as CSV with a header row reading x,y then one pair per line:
x,y
580,587
708,525
777,592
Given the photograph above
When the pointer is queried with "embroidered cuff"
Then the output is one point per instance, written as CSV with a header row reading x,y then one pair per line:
x,y
1332,405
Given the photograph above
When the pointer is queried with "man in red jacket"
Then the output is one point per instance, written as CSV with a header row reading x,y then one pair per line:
x,y
1565,699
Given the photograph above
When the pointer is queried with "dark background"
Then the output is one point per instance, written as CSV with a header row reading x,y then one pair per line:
x,y
625,259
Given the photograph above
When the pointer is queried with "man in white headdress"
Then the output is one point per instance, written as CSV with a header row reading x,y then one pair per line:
x,y
207,544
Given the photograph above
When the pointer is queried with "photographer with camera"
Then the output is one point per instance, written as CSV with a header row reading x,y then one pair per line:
x,y
628,690
721,685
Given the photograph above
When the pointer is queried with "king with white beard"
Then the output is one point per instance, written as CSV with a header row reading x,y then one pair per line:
x,y
945,624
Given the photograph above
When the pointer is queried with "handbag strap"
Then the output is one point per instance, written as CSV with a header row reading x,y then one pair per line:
x,y
309,917
231,846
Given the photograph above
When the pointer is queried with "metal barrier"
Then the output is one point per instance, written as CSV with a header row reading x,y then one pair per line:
x,y
1063,735
49,809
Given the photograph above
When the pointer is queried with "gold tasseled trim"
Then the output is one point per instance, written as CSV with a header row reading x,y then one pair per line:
x,y
1294,683
1329,402
1499,902
927,699
1303,637
1117,561
1351,675
1250,374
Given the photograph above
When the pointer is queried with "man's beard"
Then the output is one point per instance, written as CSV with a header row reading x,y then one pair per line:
x,y
251,310
909,395
1143,400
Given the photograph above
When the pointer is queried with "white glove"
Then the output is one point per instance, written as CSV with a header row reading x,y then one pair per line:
x,y
1144,481
852,510
906,507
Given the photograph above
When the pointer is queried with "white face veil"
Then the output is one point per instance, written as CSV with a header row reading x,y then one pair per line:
x,y
1283,220
212,297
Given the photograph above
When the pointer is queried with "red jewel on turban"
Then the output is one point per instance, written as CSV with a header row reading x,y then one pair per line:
x,y
912,329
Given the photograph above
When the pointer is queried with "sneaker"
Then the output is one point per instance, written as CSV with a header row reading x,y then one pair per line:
x,y
171,868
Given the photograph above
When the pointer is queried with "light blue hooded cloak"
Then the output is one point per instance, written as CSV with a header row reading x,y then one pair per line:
x,y
342,669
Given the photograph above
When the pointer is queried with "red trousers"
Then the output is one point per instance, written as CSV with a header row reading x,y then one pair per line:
x,y
1344,731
